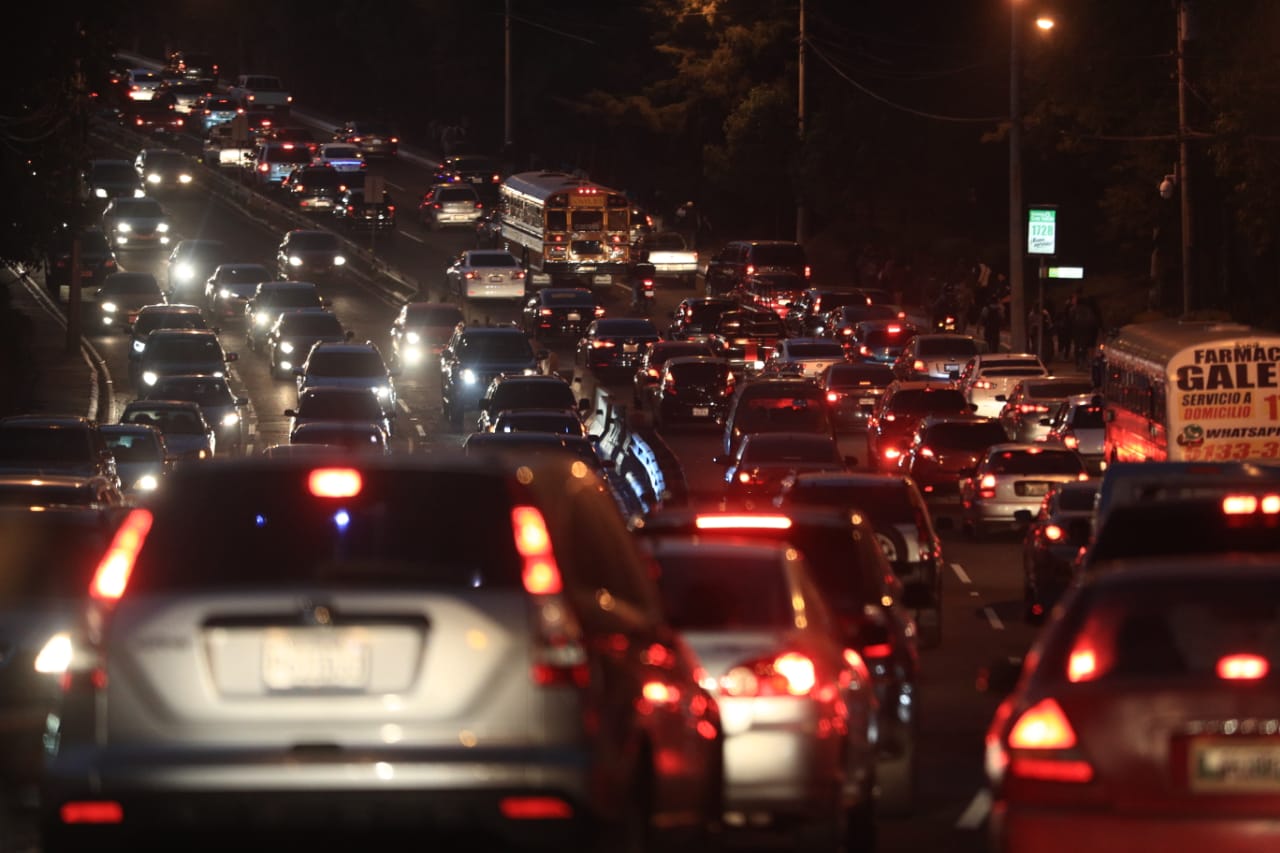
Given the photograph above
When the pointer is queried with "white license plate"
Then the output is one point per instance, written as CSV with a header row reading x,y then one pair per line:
x,y
573,318
314,659
867,401
950,367
1230,766
701,412
630,347
1035,489
497,277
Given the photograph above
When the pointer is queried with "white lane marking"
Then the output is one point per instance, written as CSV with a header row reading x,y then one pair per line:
x,y
409,236
394,185
993,619
976,812
422,433
964,578
404,407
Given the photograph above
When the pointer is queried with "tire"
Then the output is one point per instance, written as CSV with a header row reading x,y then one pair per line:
x,y
892,543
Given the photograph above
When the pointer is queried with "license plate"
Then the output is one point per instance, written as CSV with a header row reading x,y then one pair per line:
x,y
701,412
573,318
630,347
950,367
1225,766
867,401
1034,489
314,659
499,277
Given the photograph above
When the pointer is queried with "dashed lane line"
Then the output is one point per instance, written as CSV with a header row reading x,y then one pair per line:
x,y
422,433
960,573
408,236
993,619
976,812
404,407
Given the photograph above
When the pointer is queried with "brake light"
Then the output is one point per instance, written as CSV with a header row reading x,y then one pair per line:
x,y
859,667
983,385
1053,533
599,308
1032,408
918,366
751,269
468,275
833,397
892,453
987,486
1071,442
535,808
546,312
894,330
479,205
335,482
1043,726
877,650
518,275
541,574
927,452
789,674
808,271
864,350
112,574
263,167
602,344
1082,665
92,811
747,522
1243,667
1249,504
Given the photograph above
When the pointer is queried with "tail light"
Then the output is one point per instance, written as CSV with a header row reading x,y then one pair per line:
x,y
833,397
479,205
436,205
559,657
602,344
391,208
751,269
112,575
92,811
927,452
669,385
864,351
987,487
1243,667
1032,408
808,271
918,366
518,275
983,385
1042,746
599,312
892,454
469,275
1054,533
789,674
545,312
1070,442
264,168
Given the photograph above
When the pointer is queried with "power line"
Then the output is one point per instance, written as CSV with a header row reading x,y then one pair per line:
x,y
553,30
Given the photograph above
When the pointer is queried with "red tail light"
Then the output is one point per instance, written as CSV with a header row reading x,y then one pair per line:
x,y
1032,408
479,205
335,482
535,808
92,811
541,574
545,312
808,271
919,366
789,674
1071,442
833,397
751,270
518,275
983,385
1243,667
987,487
559,658
892,453
1053,533
1045,732
749,522
112,575
927,452
602,344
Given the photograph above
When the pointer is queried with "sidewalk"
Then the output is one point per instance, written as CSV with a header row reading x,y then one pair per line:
x,y
37,373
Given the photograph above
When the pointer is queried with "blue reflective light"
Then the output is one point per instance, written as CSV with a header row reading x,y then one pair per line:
x,y
260,521
341,518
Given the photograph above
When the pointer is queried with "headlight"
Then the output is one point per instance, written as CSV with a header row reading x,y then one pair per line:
x,y
184,179
412,337
123,227
261,319
338,260
469,377
139,346
295,261
413,355
56,655
758,365
163,227
286,347
186,272
230,419
147,483
99,193
150,377
286,365
110,307
382,391
224,293
153,178
139,192
530,371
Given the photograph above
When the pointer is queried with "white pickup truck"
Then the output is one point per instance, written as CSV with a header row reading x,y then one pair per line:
x,y
261,92
223,150
671,256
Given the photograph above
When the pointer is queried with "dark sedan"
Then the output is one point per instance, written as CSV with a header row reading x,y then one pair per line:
x,y
554,311
693,389
613,345
765,459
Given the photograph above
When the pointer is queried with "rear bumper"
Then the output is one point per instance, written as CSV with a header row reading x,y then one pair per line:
x,y
1012,830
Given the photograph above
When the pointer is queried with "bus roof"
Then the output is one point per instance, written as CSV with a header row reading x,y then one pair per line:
x,y
541,185
1160,341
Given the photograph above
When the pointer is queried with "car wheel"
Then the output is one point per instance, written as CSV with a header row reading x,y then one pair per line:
x,y
892,543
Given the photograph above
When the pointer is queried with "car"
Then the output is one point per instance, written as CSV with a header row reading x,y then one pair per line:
x,y
47,561
229,288
314,189
188,437
191,263
518,448
221,407
227,146
349,365
123,295
295,331
159,316
49,491
612,346
774,404
450,204
754,616
142,459
269,299
338,403
481,173
491,658
136,223
771,291
164,169
560,312
1054,538
870,606
156,116
1079,424
1032,401
1139,716
374,138
755,473
840,323
177,350
422,329
804,356
646,382
295,134
936,356
903,527
692,390
214,110
272,162
97,259
898,411
54,444
108,179
852,392
670,255
355,213
559,421
944,449
1151,483
511,392
474,357
749,337
696,316
877,341
141,83
185,95
336,437
341,156
739,259
311,254
1011,481
988,378
809,310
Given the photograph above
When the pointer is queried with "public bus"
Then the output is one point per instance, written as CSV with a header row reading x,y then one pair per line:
x,y
1192,391
566,229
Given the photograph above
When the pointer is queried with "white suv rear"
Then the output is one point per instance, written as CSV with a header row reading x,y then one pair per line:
x,y
987,379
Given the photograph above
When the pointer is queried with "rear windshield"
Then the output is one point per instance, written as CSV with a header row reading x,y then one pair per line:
x,y
1028,370
339,406
311,324
28,447
433,315
766,448
1077,500
628,328
347,365
976,436
752,326
885,338
493,259
816,350
523,395
778,256
457,194
1087,417
887,503
709,594
948,346
924,401
280,154
1041,462
567,297
852,375
1056,390
700,371
782,414
539,422
325,178
167,420
49,555
1170,528
373,539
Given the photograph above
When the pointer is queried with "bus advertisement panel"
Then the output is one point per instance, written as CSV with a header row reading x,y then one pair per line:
x,y
1227,402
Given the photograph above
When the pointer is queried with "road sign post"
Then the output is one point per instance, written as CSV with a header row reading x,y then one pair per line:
x,y
1042,241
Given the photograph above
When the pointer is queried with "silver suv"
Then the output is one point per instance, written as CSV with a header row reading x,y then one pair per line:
x,y
342,656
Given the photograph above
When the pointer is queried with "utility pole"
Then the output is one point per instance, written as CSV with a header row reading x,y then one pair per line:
x,y
1017,299
506,79
1184,182
801,214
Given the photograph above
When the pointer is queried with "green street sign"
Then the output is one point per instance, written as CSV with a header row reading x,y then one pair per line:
x,y
1066,272
1042,231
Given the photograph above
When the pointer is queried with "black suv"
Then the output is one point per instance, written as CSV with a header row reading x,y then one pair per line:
x,y
776,404
527,392
97,260
55,444
474,356
741,259
314,189
869,603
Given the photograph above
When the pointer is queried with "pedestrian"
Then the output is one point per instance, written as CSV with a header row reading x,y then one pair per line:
x,y
991,319
1086,320
1038,321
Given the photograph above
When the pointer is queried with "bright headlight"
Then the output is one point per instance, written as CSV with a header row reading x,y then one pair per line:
x,y
139,346
224,293
110,307
186,272
184,179
147,483
99,193
139,192
150,377
230,419
338,260
382,391
123,227
153,178
261,319
295,261
56,655
286,347
163,227
758,365
286,365
469,377
412,337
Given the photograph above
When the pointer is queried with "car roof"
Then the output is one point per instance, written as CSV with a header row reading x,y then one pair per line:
x,y
46,420
1208,566
345,346
170,308
162,404
184,333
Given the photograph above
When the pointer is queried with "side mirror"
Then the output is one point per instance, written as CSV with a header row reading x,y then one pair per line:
x,y
233,356
290,413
